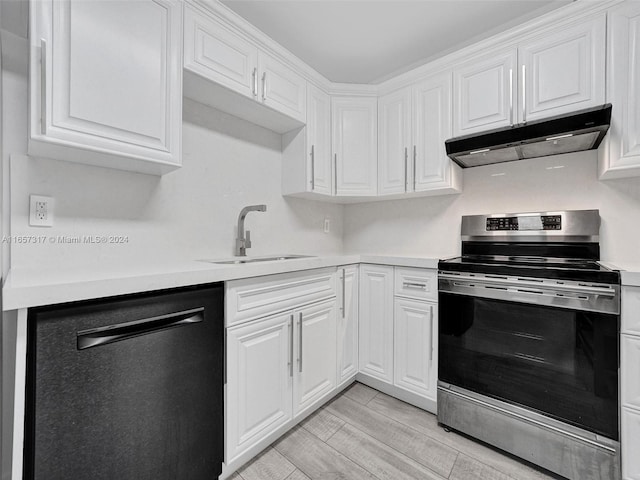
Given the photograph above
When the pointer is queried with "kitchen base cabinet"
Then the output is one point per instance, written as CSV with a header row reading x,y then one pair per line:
x,y
259,383
630,382
630,439
415,359
375,322
315,367
281,356
348,324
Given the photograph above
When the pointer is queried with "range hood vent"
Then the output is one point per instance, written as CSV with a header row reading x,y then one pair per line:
x,y
575,132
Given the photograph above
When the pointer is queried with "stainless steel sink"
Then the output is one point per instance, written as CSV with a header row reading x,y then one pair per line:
x,y
243,260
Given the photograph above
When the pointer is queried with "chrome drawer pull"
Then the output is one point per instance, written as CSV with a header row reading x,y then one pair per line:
x,y
415,286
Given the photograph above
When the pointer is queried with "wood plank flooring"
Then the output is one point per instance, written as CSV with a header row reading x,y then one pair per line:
x,y
365,434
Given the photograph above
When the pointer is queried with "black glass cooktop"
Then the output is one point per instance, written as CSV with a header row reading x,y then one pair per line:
x,y
539,267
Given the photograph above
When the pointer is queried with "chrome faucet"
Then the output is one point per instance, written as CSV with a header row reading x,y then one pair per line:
x,y
243,242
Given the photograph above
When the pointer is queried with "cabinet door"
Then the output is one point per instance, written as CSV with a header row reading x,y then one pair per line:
x,y
319,140
394,140
563,72
414,346
281,88
106,80
315,346
629,375
354,124
217,54
348,324
431,167
630,444
259,381
375,322
484,93
622,157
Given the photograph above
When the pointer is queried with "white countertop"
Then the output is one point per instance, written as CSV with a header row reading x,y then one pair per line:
x,y
26,288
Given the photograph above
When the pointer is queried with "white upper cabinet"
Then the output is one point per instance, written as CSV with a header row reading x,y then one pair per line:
x,y
413,124
620,157
354,125
563,72
215,52
394,142
484,96
307,169
433,171
281,88
105,83
548,74
221,63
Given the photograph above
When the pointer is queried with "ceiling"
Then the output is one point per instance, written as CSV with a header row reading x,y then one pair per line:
x,y
361,41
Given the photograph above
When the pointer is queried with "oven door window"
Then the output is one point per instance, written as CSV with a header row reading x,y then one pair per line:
x,y
562,363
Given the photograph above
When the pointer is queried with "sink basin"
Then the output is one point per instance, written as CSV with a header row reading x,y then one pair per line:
x,y
243,260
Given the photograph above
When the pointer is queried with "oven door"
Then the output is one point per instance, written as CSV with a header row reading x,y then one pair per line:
x,y
531,348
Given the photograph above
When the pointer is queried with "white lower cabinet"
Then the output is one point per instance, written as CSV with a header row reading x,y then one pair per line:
x,y
348,324
375,323
630,383
281,356
315,366
415,359
259,384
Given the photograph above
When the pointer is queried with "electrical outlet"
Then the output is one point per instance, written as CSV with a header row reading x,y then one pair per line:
x,y
40,211
327,225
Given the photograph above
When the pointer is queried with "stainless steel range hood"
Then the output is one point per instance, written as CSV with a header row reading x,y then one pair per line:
x,y
575,132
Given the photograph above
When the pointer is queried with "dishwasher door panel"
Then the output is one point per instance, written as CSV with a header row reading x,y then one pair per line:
x,y
146,406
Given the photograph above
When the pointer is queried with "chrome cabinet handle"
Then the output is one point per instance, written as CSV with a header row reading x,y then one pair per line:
x,y
264,86
432,339
43,85
524,93
254,86
95,337
511,96
344,292
290,331
313,168
300,345
415,155
335,171
415,286
406,169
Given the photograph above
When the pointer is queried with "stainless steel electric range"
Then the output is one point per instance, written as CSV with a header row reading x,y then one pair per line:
x,y
529,325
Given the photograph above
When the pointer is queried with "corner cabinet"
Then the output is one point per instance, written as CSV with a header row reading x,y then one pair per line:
x,y
355,150
105,83
375,327
620,155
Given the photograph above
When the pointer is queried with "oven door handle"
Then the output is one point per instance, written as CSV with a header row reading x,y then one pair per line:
x,y
506,283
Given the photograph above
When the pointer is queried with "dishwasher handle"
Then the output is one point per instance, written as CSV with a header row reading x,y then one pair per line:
x,y
96,337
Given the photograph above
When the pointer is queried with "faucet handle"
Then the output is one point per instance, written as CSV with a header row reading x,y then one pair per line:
x,y
247,240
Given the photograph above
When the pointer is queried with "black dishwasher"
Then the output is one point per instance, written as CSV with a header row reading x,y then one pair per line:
x,y
127,388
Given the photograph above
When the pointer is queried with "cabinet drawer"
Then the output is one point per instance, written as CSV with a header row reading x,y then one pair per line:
x,y
631,310
416,283
630,376
253,298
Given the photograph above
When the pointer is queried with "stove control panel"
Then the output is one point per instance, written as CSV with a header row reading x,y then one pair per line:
x,y
525,223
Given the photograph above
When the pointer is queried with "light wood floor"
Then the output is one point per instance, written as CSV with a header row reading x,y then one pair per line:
x,y
365,434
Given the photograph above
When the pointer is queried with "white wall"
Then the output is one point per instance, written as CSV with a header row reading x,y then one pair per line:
x,y
431,225
185,215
